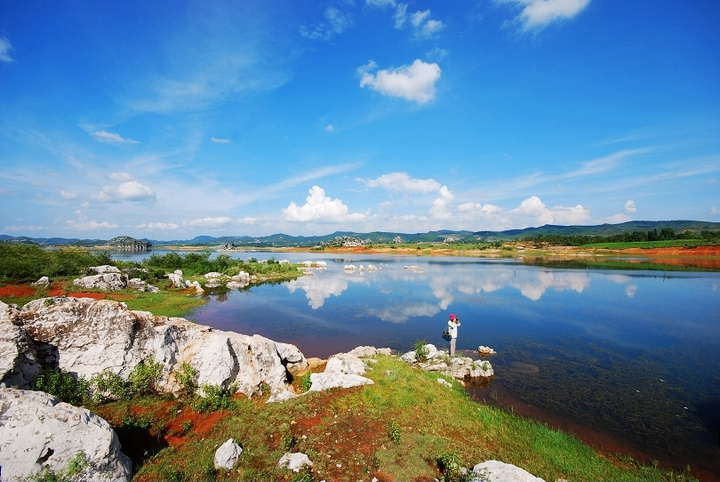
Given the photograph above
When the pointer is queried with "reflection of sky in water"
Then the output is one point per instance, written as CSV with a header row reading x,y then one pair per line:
x,y
532,316
495,299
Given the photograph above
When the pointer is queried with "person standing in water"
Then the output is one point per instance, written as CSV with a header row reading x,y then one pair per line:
x,y
453,324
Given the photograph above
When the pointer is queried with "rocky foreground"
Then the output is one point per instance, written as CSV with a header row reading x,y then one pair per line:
x,y
86,337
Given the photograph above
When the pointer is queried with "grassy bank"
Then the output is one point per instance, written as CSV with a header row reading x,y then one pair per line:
x,y
404,427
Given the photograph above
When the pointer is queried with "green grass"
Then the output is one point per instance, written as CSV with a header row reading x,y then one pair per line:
x,y
671,243
165,303
399,428
615,263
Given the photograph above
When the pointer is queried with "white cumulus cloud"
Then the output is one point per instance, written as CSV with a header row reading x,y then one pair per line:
x,y
126,191
415,82
533,212
441,206
630,206
319,207
537,14
401,181
219,140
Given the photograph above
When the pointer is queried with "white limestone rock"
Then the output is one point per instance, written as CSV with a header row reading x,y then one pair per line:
x,y
38,431
43,281
106,281
460,368
177,279
295,462
105,269
227,455
496,471
18,358
342,371
85,337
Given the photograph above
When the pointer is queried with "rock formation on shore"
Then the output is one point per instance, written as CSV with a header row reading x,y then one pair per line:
x,y
40,433
86,337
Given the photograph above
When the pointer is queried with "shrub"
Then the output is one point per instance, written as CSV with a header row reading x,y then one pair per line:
x,y
67,387
421,351
106,386
144,377
216,398
452,469
393,431
186,377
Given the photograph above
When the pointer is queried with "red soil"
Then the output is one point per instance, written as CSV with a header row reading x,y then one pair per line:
x,y
24,290
700,256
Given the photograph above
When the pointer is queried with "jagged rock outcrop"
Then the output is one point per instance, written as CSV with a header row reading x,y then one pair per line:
x,y
39,432
18,358
461,368
85,337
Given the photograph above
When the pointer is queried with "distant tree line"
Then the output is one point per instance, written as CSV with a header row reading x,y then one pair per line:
x,y
28,262
624,237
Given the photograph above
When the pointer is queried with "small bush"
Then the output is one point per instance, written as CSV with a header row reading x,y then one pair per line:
x,y
216,398
421,351
452,469
144,377
67,387
186,376
393,432
107,386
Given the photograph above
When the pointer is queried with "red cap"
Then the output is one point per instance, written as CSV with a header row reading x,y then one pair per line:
x,y
453,317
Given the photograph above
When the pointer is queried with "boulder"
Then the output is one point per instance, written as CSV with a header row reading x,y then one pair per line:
x,y
177,279
227,455
495,471
105,281
486,351
295,462
43,281
461,368
342,371
198,289
368,351
85,337
18,357
106,268
137,284
39,432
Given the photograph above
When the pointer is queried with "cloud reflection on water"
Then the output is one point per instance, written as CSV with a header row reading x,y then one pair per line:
x,y
444,285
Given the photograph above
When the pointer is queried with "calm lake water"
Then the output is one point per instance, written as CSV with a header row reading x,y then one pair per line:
x,y
627,360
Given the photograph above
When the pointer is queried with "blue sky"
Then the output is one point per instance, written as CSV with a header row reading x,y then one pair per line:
x,y
168,120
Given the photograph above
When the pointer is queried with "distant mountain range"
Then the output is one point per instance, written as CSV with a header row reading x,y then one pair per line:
x,y
284,240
